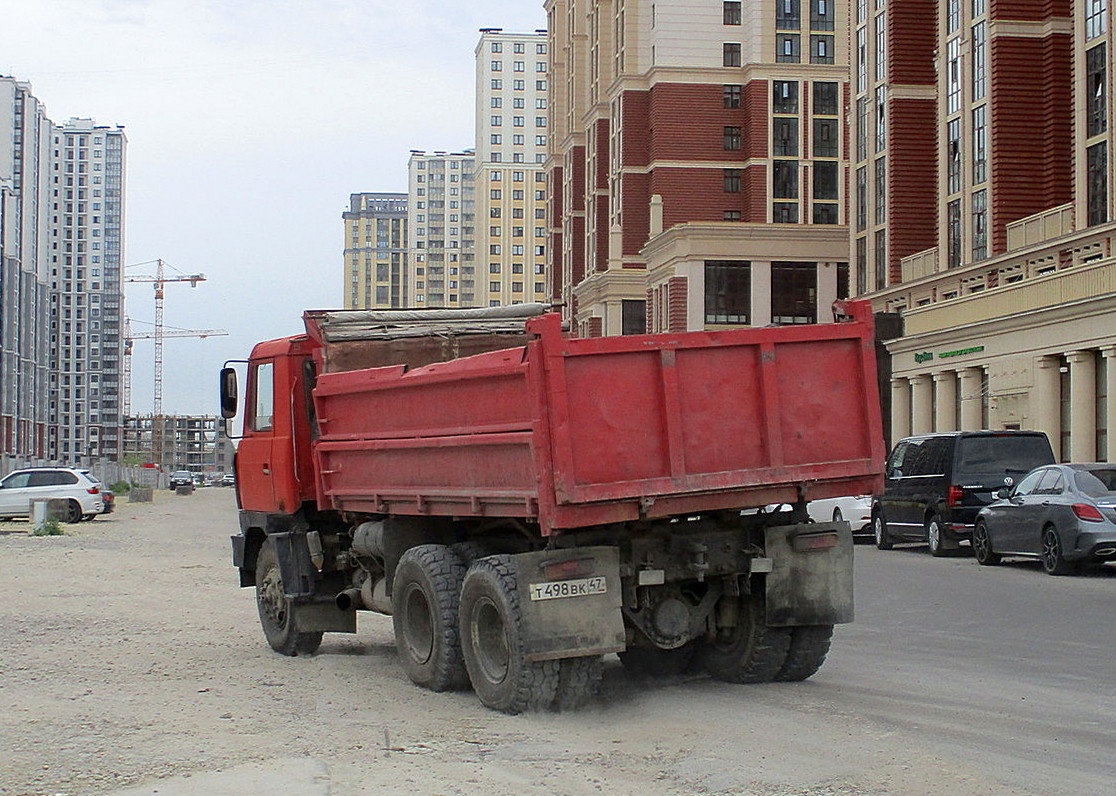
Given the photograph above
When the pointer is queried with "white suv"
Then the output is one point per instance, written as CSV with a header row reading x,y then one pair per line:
x,y
21,486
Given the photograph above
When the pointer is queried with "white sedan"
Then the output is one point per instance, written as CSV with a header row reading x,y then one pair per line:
x,y
856,510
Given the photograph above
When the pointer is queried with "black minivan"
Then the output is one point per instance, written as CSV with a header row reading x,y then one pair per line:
x,y
935,484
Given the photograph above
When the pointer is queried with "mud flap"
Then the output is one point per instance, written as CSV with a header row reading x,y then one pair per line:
x,y
569,602
811,577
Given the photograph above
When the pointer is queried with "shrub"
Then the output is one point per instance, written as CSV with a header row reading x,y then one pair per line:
x,y
51,527
121,488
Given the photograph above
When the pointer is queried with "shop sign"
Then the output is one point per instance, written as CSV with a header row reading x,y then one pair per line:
x,y
926,356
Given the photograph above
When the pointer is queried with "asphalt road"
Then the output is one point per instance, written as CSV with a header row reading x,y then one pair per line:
x,y
131,663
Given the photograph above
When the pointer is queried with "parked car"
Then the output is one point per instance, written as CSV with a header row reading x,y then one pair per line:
x,y
20,487
856,510
935,484
107,495
181,478
1064,515
228,479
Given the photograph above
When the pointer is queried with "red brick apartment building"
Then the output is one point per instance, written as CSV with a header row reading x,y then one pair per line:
x,y
697,162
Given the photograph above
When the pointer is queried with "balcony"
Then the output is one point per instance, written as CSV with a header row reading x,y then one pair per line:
x,y
1040,227
920,264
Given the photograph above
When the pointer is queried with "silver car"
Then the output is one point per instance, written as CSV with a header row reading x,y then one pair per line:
x,y
20,487
1062,514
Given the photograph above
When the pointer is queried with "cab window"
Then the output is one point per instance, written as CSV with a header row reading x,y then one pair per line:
x,y
263,400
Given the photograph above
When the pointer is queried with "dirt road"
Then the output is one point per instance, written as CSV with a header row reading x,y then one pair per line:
x,y
131,662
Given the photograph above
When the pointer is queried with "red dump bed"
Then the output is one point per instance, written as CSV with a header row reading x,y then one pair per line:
x,y
578,432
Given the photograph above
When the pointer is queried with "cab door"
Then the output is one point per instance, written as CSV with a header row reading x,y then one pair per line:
x,y
254,474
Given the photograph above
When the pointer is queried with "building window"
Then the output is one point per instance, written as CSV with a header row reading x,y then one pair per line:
x,y
633,312
861,266
497,66
980,225
784,212
732,180
861,60
732,12
821,14
881,47
787,48
731,54
980,61
826,99
1096,18
825,138
731,215
861,129
953,156
980,144
732,138
881,191
784,97
825,213
1096,120
784,182
787,15
825,179
732,96
881,260
821,49
953,74
1096,183
861,199
497,47
953,234
953,15
794,292
728,291
785,134
881,118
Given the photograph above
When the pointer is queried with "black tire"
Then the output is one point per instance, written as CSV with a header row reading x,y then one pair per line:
x,y
750,652
935,537
74,513
425,597
809,645
278,616
655,663
982,546
492,642
1052,560
469,551
879,531
579,681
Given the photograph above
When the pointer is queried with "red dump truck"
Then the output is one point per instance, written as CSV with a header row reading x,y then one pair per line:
x,y
523,503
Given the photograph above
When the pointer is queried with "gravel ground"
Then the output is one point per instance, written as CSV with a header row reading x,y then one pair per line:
x,y
133,664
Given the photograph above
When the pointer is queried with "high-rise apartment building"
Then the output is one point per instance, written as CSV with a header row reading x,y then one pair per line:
x,y
25,279
984,213
376,269
512,97
86,249
441,222
697,162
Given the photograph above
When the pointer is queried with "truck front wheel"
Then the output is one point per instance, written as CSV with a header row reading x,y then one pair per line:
x,y
492,642
424,597
749,651
278,616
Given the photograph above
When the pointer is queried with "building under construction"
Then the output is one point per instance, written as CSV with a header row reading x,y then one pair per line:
x,y
188,442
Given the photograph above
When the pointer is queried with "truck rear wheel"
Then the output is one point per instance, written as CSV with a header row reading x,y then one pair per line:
x,y
425,596
492,642
749,652
579,680
278,616
808,647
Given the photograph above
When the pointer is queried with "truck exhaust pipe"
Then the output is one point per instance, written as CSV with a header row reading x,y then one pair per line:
x,y
372,596
349,600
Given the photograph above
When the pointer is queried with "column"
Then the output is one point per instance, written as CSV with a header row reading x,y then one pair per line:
x,y
922,415
1083,406
826,291
1109,355
945,401
1045,409
761,293
900,409
972,399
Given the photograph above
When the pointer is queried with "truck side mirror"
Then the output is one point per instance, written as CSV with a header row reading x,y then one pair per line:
x,y
228,393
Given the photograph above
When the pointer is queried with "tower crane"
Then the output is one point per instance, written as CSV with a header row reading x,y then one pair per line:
x,y
159,280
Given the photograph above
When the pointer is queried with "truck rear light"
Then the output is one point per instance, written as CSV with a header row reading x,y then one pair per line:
x,y
806,542
1087,512
575,567
954,495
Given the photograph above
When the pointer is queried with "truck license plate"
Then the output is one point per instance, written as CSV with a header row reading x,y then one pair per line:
x,y
582,587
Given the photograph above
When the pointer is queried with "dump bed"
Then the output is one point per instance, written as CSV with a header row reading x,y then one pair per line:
x,y
579,432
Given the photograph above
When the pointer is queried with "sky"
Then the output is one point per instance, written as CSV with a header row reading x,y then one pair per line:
x,y
249,123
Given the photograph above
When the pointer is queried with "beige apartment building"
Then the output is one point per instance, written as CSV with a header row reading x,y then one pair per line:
x,y
697,162
1002,261
441,221
512,96
376,269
